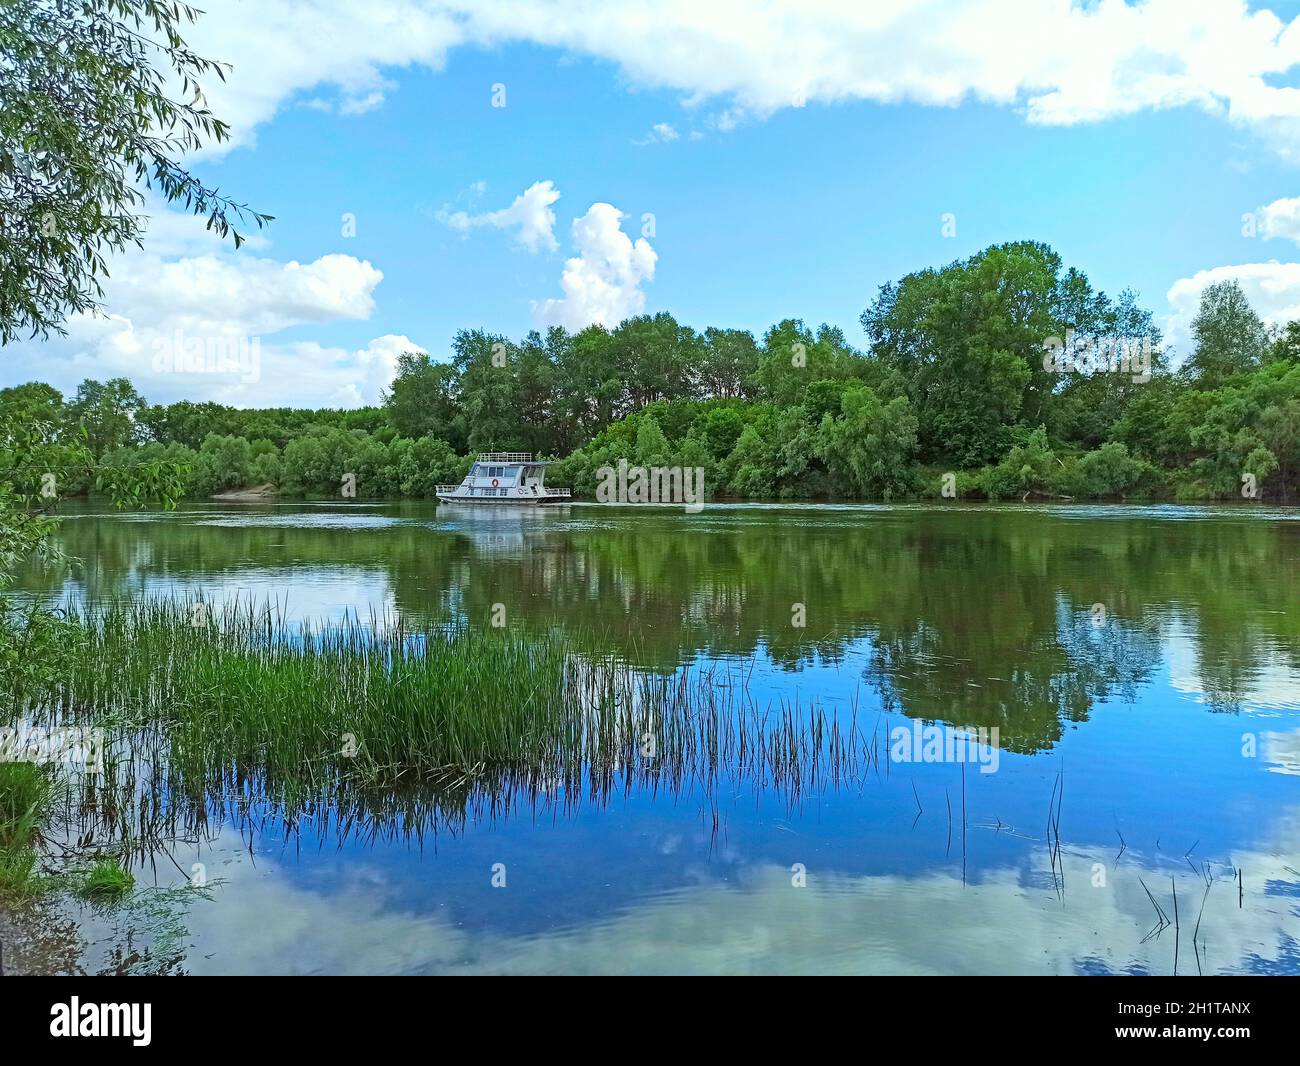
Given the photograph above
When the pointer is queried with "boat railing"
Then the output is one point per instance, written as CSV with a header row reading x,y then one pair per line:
x,y
524,490
505,457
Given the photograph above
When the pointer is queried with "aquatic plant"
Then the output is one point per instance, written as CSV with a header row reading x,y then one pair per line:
x,y
380,727
106,881
25,793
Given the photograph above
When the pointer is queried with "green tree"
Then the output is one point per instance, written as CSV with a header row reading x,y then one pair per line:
x,y
1087,405
422,399
427,463
107,412
728,360
590,388
87,120
1284,344
751,466
35,403
535,379
651,444
1110,471
1229,336
486,364
871,446
967,343
656,358
185,422
793,356
718,428
224,462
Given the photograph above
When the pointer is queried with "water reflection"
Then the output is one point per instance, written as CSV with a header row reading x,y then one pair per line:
x,y
1169,717
975,616
744,916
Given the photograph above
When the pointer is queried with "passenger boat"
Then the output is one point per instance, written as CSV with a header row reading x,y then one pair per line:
x,y
504,477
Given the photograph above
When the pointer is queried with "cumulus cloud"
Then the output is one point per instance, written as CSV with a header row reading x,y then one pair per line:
x,y
602,283
1273,289
189,318
1281,218
376,366
365,920
1059,62
170,234
242,295
530,216
335,49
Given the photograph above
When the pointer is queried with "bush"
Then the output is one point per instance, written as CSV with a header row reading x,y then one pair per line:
x,y
1030,466
426,462
1110,471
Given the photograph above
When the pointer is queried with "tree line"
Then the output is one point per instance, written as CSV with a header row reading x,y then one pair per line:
x,y
1002,375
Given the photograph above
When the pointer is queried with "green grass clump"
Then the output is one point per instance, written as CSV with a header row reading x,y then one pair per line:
x,y
244,689
378,726
106,882
25,791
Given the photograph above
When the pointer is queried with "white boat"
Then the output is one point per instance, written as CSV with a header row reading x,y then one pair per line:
x,y
504,477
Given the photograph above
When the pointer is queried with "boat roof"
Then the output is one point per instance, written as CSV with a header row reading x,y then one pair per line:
x,y
512,459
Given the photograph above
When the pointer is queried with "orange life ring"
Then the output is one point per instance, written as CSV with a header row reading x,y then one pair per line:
x,y
495,482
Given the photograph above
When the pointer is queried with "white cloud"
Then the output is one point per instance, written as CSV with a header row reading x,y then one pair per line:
x,y
364,918
1058,61
1281,218
187,297
602,284
361,105
376,365
530,215
317,46
660,133
235,293
1273,289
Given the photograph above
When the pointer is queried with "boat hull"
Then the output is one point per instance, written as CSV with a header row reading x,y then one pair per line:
x,y
497,501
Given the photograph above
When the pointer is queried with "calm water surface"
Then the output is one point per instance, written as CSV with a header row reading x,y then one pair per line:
x,y
1148,747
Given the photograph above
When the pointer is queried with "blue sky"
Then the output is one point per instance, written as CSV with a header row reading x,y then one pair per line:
x,y
761,209
802,215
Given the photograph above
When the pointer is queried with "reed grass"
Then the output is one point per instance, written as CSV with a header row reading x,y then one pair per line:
x,y
25,797
246,688
374,727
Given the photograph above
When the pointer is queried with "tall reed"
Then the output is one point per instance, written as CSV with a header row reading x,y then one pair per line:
x,y
379,727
